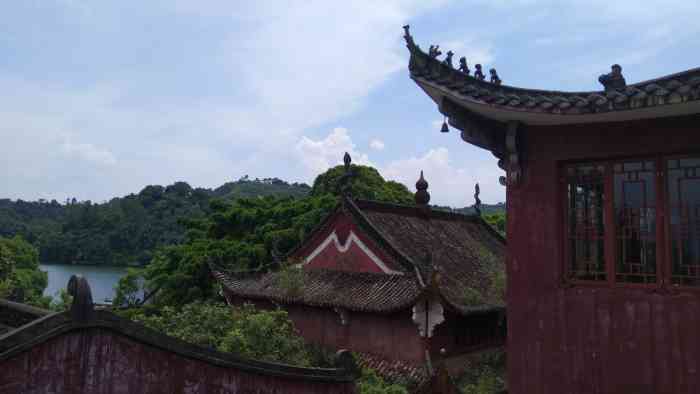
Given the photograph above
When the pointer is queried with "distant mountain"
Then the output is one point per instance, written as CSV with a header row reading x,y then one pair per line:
x,y
126,229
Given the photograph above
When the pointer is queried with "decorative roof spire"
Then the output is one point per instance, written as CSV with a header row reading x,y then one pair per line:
x,y
422,196
344,181
477,201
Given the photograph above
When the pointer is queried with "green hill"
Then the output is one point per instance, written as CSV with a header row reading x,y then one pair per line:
x,y
126,229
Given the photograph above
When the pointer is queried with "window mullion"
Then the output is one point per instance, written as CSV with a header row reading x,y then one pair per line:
x,y
663,263
609,224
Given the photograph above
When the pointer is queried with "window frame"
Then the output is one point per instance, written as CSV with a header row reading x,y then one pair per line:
x,y
663,255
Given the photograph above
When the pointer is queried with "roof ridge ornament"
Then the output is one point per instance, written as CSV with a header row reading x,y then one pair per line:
x,y
420,65
422,197
478,74
494,77
614,79
463,67
82,308
448,59
434,51
344,183
477,201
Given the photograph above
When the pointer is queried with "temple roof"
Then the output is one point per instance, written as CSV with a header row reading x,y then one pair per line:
x,y
356,291
14,315
455,254
672,95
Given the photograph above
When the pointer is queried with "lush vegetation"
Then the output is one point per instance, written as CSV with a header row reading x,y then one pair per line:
x,y
247,235
241,227
124,230
260,335
485,375
20,277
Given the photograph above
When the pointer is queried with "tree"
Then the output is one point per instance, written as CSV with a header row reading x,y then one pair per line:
x,y
20,277
250,333
367,183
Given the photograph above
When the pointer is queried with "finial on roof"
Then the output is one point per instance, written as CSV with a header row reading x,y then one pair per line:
x,y
478,74
344,181
463,65
448,59
494,77
614,79
477,201
82,307
422,196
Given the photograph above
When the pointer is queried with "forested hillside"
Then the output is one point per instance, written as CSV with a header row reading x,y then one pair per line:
x,y
124,230
127,230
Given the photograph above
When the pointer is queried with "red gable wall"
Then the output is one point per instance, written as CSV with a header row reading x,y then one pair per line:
x,y
345,254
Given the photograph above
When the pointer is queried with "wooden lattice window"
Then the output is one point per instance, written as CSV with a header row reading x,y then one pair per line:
x,y
684,220
586,222
634,222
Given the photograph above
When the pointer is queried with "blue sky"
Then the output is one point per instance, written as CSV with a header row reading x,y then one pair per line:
x,y
103,98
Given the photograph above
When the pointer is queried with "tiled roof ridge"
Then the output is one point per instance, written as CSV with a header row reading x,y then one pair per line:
x,y
671,89
50,326
413,210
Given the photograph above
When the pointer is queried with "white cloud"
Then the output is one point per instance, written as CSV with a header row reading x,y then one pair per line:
x,y
88,152
449,184
376,144
148,112
318,156
475,52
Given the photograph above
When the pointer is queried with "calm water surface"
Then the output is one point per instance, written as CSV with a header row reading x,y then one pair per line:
x,y
102,279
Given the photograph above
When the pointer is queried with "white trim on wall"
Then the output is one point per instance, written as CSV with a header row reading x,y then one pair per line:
x,y
333,237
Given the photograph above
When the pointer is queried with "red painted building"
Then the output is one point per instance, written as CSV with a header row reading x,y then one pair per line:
x,y
96,352
603,201
406,286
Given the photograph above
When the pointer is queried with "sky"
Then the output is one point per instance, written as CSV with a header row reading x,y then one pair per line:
x,y
101,98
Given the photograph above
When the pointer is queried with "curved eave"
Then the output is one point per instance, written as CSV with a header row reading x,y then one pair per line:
x,y
673,95
505,113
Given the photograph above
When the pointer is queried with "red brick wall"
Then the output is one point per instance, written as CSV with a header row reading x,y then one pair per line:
x,y
591,339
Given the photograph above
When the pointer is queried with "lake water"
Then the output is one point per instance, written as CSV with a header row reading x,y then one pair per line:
x,y
102,279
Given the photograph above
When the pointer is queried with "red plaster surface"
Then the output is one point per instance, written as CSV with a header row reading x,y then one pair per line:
x,y
354,259
586,339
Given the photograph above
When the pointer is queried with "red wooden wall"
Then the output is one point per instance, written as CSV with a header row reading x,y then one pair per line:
x,y
99,361
591,339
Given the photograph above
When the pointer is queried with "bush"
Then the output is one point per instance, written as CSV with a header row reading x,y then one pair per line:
x,y
371,383
250,333
485,374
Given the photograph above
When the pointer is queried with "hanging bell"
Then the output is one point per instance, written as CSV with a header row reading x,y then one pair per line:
x,y
444,128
